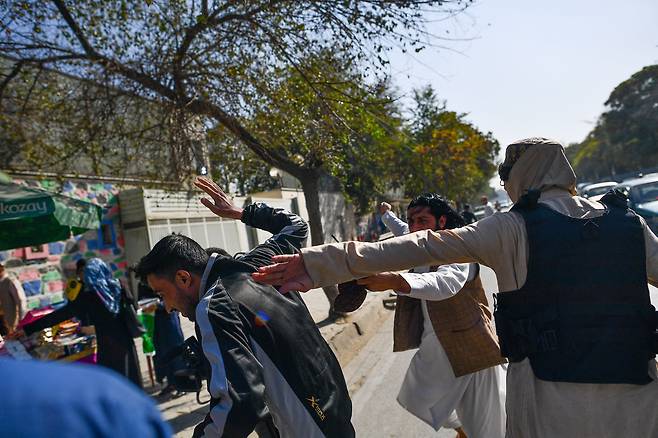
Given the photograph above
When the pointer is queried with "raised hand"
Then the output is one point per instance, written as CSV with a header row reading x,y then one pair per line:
x,y
221,203
287,271
385,281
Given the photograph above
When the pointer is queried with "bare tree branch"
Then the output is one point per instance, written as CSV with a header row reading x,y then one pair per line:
x,y
12,74
111,64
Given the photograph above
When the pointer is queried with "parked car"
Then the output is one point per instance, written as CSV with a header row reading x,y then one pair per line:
x,y
643,198
596,189
478,211
579,186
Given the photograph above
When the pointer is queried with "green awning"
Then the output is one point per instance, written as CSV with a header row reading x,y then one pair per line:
x,y
30,216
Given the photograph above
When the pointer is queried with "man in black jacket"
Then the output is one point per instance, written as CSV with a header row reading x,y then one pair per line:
x,y
266,356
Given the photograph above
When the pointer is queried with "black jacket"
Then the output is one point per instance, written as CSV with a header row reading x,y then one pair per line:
x,y
266,355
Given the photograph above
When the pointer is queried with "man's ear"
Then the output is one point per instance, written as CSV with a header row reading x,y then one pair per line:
x,y
443,220
182,278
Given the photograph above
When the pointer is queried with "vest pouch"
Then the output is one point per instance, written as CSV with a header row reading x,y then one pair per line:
x,y
408,324
526,324
614,337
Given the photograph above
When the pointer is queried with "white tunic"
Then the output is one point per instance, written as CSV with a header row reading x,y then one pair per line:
x,y
430,389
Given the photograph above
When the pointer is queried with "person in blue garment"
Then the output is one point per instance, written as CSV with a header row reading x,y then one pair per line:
x,y
47,399
98,303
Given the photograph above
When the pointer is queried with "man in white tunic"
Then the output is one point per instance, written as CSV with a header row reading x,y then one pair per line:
x,y
536,408
432,390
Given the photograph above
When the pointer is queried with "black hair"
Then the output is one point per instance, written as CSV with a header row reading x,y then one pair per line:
x,y
504,170
172,253
467,206
438,207
80,264
220,251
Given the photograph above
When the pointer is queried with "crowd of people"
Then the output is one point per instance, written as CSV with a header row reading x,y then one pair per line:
x,y
569,349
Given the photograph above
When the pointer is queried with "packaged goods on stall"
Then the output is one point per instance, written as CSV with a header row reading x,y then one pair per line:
x,y
67,341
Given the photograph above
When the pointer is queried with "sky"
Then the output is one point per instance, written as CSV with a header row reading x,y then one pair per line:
x,y
534,68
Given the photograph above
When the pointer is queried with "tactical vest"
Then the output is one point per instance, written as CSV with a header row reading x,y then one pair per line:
x,y
583,314
462,324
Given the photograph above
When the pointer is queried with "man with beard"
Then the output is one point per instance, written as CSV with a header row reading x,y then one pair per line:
x,y
573,313
443,311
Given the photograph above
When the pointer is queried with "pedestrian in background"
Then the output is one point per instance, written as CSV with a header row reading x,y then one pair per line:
x,y
488,209
99,304
13,303
468,215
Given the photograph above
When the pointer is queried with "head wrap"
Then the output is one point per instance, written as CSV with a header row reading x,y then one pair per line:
x,y
98,279
536,164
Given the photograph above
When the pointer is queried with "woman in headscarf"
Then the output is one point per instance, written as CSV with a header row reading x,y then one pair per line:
x,y
536,175
98,302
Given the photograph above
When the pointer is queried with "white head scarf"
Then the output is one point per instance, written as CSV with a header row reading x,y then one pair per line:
x,y
537,164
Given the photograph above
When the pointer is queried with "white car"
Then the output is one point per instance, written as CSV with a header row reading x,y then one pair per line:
x,y
597,189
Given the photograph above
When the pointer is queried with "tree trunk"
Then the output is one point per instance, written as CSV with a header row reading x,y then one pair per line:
x,y
310,185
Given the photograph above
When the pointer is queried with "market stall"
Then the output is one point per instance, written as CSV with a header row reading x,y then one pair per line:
x,y
68,341
29,217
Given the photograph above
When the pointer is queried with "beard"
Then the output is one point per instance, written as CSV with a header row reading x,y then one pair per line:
x,y
187,304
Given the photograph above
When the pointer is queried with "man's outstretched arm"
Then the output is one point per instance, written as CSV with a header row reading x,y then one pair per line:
x,y
397,226
340,262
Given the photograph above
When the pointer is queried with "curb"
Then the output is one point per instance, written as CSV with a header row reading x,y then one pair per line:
x,y
347,339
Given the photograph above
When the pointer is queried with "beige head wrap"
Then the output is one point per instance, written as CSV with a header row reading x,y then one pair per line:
x,y
537,163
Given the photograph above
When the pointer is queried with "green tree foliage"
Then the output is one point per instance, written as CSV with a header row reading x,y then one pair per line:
x,y
625,138
211,60
235,166
332,123
446,154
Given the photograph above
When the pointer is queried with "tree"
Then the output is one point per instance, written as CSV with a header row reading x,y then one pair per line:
x,y
210,59
331,137
235,166
446,154
349,133
625,138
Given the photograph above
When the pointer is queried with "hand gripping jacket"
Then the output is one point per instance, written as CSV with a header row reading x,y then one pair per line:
x,y
584,313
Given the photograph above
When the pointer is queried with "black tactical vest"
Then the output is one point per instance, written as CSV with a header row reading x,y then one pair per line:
x,y
583,314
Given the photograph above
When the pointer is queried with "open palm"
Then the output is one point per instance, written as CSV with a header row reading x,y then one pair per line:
x,y
288,272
